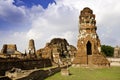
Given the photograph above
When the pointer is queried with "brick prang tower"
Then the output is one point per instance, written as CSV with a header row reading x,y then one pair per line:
x,y
89,47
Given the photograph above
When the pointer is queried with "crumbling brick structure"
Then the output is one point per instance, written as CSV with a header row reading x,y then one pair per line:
x,y
56,50
89,47
9,48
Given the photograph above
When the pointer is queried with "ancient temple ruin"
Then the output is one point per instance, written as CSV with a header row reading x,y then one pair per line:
x,y
10,51
89,47
31,49
57,50
9,48
117,52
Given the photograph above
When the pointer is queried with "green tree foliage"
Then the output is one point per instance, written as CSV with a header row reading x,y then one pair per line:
x,y
107,50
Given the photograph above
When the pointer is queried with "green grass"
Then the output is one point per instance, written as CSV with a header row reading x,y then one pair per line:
x,y
112,73
46,68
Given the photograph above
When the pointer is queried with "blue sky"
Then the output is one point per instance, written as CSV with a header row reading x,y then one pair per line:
x,y
30,3
42,20
14,18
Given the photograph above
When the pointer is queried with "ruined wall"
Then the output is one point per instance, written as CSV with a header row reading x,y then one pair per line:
x,y
43,74
7,64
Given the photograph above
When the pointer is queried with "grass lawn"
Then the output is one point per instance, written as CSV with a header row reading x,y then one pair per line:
x,y
112,73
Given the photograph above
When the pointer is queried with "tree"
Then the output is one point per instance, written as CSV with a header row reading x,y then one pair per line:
x,y
107,50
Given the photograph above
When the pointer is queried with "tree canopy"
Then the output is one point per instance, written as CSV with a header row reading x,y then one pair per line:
x,y
107,50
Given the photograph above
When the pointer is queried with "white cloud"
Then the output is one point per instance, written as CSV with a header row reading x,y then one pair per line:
x,y
9,12
61,20
70,36
34,35
56,21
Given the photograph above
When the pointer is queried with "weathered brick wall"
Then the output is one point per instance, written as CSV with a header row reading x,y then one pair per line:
x,y
42,74
23,64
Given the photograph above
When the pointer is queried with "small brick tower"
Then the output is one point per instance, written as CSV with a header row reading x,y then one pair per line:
x,y
31,48
89,47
